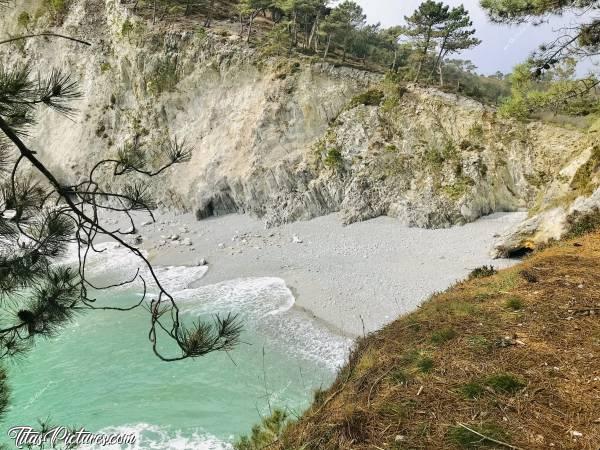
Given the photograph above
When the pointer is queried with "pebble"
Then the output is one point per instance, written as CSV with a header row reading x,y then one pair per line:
x,y
296,240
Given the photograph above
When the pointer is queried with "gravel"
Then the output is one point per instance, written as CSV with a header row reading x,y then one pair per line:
x,y
355,278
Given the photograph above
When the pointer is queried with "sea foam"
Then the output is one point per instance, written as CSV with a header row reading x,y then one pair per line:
x,y
150,437
264,304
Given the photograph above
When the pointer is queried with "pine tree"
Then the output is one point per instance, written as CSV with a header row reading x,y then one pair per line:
x,y
424,25
341,25
389,42
455,35
42,215
251,9
304,16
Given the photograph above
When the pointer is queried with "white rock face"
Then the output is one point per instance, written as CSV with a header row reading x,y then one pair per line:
x,y
248,126
571,198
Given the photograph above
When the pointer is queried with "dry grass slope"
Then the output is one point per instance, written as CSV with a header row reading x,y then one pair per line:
x,y
511,360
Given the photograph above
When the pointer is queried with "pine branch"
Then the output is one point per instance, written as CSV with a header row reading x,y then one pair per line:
x,y
197,340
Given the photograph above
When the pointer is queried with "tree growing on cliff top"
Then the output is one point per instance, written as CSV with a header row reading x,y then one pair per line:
x,y
341,25
303,19
249,10
434,27
454,36
425,23
43,214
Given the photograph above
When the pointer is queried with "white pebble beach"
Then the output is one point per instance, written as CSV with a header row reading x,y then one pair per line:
x,y
354,278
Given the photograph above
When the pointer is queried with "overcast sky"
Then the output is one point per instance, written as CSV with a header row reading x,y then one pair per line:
x,y
503,46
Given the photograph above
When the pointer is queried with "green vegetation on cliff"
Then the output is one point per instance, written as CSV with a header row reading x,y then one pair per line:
x,y
547,81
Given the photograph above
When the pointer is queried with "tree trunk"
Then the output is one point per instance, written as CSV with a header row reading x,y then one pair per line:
x,y
440,57
250,27
208,20
313,31
440,69
418,70
154,13
305,32
327,46
423,55
394,62
295,29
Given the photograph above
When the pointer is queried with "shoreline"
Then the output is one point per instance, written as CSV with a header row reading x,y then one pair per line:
x,y
353,279
314,317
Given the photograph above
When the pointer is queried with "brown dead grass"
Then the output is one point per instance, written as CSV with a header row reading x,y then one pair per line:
x,y
411,384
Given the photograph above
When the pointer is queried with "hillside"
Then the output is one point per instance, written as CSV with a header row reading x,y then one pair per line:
x,y
509,360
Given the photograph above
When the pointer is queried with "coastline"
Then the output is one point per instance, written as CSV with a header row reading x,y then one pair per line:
x,y
331,269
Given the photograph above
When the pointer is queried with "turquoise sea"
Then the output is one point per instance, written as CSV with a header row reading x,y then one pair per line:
x,y
100,372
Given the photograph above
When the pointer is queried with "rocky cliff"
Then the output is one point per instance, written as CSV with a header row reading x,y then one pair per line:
x,y
290,139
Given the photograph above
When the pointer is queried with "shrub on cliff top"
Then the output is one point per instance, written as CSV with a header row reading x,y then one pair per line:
x,y
465,438
333,159
580,224
372,97
504,383
264,434
56,9
24,20
482,272
582,180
